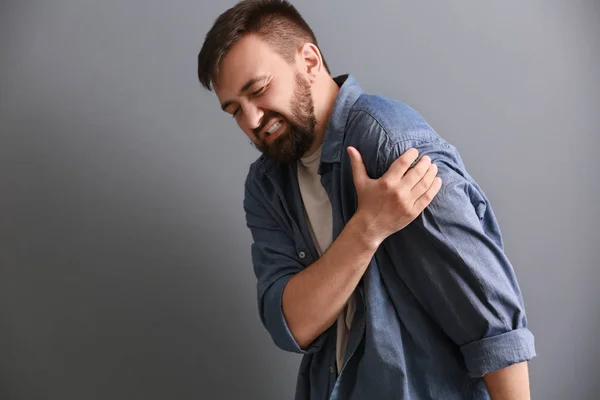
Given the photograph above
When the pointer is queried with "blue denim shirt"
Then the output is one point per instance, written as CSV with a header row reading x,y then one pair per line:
x,y
439,305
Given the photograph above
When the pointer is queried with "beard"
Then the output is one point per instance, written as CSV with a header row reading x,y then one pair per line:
x,y
300,128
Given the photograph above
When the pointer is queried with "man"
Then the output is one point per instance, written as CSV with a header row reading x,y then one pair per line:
x,y
392,284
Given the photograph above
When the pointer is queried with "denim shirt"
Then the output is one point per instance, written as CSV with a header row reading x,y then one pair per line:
x,y
438,306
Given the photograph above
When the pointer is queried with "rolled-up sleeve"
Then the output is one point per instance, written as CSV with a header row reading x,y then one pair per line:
x,y
274,262
452,259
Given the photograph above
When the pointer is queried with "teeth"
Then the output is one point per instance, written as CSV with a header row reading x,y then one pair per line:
x,y
274,127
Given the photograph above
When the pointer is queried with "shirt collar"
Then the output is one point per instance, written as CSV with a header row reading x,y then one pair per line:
x,y
333,139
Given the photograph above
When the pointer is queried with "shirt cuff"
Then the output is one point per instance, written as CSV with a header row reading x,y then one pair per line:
x,y
276,324
497,352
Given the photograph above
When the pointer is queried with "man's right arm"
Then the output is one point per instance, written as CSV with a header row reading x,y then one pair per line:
x,y
311,298
314,297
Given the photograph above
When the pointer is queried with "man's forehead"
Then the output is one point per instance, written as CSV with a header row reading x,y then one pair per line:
x,y
236,68
248,58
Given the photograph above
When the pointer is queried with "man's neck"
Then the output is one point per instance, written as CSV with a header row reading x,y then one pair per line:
x,y
324,100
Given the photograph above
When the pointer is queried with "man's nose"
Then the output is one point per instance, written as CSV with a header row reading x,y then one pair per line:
x,y
254,116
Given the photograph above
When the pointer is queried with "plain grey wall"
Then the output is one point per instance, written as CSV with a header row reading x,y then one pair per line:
x,y
124,257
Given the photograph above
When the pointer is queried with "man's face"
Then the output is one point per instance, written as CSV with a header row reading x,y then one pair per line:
x,y
269,98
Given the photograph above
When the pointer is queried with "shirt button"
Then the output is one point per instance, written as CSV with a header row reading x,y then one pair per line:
x,y
331,369
301,254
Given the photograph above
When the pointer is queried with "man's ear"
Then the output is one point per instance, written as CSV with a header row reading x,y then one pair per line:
x,y
311,61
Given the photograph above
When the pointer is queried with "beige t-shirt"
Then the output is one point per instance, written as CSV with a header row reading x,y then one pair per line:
x,y
320,222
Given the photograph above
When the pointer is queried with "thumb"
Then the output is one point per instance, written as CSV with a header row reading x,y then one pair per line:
x,y
359,172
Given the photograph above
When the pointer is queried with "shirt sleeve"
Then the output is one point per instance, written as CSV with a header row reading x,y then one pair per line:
x,y
274,261
452,259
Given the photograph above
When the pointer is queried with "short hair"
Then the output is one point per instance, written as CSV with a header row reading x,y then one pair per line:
x,y
275,21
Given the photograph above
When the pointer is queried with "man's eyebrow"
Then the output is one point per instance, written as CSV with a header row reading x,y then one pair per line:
x,y
245,88
251,82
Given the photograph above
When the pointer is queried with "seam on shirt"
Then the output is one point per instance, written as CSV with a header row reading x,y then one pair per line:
x,y
405,138
391,142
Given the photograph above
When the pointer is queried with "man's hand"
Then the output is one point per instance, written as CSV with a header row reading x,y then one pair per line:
x,y
388,204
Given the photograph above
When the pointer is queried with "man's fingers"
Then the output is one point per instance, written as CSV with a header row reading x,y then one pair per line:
x,y
425,183
359,172
429,195
417,173
402,164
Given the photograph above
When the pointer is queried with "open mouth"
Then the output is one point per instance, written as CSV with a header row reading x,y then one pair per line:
x,y
274,131
274,127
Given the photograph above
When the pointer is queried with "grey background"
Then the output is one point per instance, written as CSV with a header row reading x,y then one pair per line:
x,y
125,270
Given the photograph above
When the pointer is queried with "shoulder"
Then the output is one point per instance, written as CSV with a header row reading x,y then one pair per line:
x,y
255,179
264,178
395,120
254,169
382,129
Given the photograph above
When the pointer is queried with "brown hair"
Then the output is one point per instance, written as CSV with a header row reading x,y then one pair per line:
x,y
275,21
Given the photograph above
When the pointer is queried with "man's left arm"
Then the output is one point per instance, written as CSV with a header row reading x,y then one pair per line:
x,y
452,259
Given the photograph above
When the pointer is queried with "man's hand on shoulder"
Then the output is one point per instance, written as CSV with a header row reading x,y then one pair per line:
x,y
388,204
